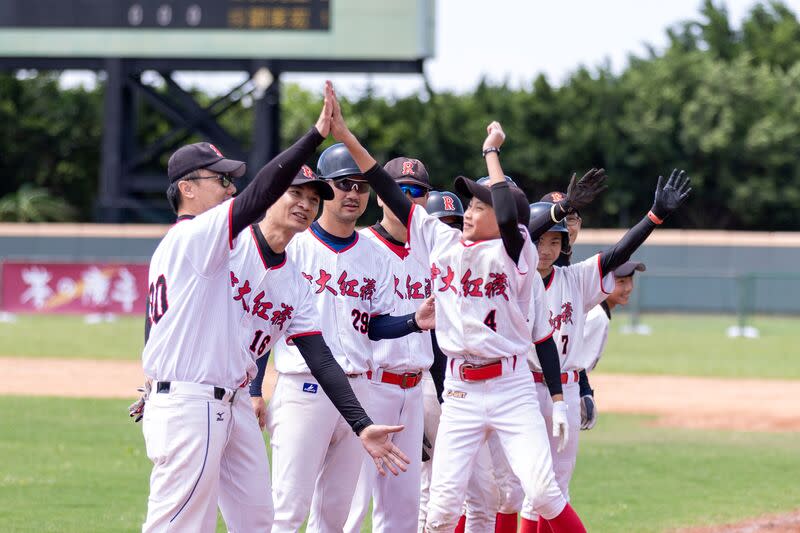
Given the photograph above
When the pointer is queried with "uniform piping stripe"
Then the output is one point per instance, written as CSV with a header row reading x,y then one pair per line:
x,y
545,338
306,334
230,224
399,251
408,223
600,270
552,277
325,244
205,458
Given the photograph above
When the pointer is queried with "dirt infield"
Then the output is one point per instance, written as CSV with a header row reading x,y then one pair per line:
x,y
737,404
782,523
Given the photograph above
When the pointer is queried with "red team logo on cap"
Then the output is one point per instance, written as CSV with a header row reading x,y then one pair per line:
x,y
448,203
307,172
408,168
216,151
557,196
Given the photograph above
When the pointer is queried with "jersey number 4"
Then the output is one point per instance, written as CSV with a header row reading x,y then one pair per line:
x,y
157,303
490,321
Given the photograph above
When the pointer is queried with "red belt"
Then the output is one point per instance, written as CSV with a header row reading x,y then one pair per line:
x,y
471,372
538,377
406,380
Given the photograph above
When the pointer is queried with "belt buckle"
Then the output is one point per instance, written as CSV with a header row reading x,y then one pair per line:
x,y
465,366
405,377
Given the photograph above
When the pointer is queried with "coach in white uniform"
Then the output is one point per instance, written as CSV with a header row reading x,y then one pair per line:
x,y
192,355
397,368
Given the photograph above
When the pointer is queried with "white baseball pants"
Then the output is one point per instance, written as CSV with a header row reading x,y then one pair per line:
x,y
395,505
564,462
432,412
508,406
205,452
316,457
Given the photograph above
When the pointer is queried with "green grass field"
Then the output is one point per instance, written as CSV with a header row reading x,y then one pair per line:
x,y
79,465
693,345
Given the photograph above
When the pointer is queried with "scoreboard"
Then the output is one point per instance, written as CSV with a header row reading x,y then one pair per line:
x,y
167,14
396,30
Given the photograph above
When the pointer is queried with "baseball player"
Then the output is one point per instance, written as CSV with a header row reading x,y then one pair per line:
x,y
315,459
483,283
595,332
273,301
398,366
571,292
192,356
447,207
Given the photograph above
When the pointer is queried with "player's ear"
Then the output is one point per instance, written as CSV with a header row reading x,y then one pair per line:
x,y
186,188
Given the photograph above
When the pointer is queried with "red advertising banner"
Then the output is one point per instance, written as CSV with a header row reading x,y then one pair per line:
x,y
80,288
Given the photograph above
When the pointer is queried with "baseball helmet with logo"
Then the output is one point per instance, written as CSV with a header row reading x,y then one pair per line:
x,y
537,209
444,204
336,162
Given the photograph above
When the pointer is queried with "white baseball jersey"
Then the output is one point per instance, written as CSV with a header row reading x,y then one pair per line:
x,y
272,302
411,284
595,335
349,287
572,292
482,297
193,326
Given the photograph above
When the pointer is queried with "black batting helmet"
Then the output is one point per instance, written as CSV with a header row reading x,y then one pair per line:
x,y
537,209
336,162
443,204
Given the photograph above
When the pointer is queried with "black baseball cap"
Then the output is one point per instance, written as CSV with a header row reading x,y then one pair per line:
x,y
306,176
195,156
628,269
407,170
469,188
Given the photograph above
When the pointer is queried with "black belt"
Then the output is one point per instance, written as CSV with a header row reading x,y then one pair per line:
x,y
164,386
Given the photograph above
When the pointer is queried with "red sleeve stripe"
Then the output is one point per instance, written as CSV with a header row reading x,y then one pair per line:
x,y
540,341
306,334
600,270
230,224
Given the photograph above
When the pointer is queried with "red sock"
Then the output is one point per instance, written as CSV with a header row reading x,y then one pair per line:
x,y
566,522
462,524
544,527
505,523
528,526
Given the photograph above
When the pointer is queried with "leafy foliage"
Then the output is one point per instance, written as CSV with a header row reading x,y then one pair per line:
x,y
722,102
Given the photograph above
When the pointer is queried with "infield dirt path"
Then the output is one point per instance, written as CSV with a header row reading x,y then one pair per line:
x,y
738,404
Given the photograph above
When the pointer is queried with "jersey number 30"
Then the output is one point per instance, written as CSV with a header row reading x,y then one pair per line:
x,y
157,303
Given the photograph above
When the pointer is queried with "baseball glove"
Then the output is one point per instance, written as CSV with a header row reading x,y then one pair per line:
x,y
136,409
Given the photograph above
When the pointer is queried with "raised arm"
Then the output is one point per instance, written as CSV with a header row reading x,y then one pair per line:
x,y
505,210
275,177
579,194
384,185
668,198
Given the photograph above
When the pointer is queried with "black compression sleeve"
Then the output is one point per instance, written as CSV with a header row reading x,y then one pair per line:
x,y
505,211
583,383
390,192
439,367
391,327
629,243
551,366
331,377
540,224
256,383
272,181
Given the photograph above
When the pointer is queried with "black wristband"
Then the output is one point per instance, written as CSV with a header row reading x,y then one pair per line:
x,y
490,150
412,324
361,425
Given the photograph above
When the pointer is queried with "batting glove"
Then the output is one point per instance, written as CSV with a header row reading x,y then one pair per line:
x,y
560,424
588,412
136,409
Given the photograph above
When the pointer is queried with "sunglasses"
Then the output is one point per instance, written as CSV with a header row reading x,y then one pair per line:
x,y
415,191
224,179
572,220
348,185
